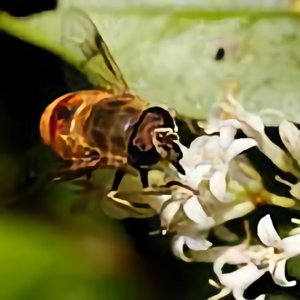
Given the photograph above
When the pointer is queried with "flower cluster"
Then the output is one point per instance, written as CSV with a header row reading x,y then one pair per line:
x,y
196,189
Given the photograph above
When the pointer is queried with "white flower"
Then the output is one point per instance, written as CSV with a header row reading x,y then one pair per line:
x,y
216,121
191,206
240,254
253,126
238,281
259,259
287,248
193,244
193,229
208,158
192,164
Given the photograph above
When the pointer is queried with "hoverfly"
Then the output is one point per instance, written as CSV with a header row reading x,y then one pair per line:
x,y
105,127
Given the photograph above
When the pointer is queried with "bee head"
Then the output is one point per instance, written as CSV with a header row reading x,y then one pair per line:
x,y
141,148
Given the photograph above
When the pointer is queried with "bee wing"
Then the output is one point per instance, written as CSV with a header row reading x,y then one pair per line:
x,y
81,35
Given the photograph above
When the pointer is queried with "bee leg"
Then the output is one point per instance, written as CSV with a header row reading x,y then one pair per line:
x,y
120,173
88,175
178,167
144,177
143,174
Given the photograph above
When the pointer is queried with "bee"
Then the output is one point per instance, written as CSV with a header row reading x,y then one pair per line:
x,y
107,126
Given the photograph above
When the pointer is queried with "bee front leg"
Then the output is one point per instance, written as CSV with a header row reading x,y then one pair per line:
x,y
120,173
144,177
143,174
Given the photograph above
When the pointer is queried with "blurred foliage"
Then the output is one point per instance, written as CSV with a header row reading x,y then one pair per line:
x,y
40,261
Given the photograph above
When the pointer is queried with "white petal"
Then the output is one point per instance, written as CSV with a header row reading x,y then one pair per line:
x,y
267,232
195,212
197,144
295,220
177,248
169,212
204,168
227,134
234,255
261,297
252,120
164,198
290,136
211,148
197,244
217,184
241,279
295,231
295,188
224,292
238,293
272,263
231,123
193,209
291,246
258,253
239,146
196,175
278,178
156,205
279,275
211,129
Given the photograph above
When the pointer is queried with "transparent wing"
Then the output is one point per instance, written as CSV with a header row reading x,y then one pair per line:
x,y
80,35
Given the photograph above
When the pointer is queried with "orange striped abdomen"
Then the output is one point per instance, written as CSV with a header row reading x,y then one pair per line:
x,y
88,124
